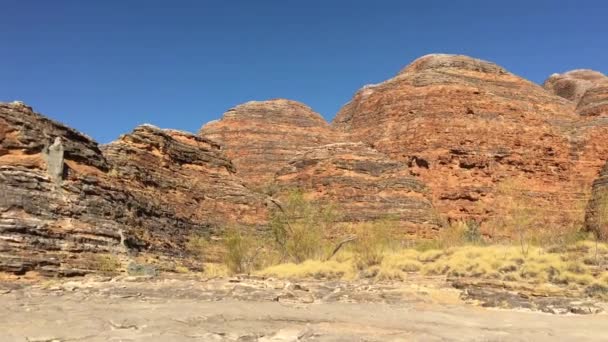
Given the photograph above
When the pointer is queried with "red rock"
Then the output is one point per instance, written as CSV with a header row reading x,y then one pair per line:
x,y
150,191
588,90
364,184
466,125
596,219
189,184
260,137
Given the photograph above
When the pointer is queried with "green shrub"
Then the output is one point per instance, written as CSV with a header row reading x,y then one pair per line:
x,y
299,227
472,234
196,245
245,252
371,244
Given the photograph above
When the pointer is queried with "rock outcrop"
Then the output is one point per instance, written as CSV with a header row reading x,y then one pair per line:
x,y
448,134
365,185
587,89
53,200
260,137
284,144
61,196
185,182
465,126
596,219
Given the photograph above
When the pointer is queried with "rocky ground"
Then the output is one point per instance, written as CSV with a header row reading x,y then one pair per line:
x,y
255,309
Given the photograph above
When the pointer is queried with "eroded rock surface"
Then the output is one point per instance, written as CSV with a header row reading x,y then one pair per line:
x,y
284,144
260,137
186,183
587,89
62,198
264,310
466,125
45,216
365,185
597,211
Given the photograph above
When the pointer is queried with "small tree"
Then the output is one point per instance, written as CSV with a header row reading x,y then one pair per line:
x,y
372,241
520,213
601,214
243,250
299,225
601,217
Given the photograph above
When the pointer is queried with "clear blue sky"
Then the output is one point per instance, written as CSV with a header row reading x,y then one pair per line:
x,y
104,67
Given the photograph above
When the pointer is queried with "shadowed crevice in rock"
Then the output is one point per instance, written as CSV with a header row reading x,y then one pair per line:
x,y
596,218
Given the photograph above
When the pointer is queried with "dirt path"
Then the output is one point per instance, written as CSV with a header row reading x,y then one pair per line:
x,y
261,311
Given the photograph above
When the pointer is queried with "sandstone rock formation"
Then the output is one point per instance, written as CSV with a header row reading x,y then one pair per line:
x,y
588,90
465,126
185,182
55,206
448,134
260,137
597,211
284,143
365,185
43,216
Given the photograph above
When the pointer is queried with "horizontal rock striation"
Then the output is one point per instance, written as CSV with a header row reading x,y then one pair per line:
x,y
44,220
185,181
466,126
147,191
365,185
596,219
587,89
260,137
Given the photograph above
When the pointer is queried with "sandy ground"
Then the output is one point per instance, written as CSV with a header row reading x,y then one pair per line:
x,y
270,310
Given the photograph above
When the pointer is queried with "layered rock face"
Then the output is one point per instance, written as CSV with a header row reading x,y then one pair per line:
x,y
185,182
284,143
261,137
597,211
588,90
44,216
465,126
448,134
365,185
61,196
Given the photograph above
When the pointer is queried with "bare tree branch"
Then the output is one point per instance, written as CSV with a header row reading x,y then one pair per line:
x,y
340,244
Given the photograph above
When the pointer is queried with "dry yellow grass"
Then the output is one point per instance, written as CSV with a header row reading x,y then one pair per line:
x,y
499,262
331,269
214,270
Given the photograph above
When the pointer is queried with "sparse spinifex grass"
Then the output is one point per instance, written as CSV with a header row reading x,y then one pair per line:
x,y
299,246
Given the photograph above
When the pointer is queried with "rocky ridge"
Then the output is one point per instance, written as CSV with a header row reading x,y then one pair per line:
x,y
466,126
284,144
147,191
365,184
446,135
260,137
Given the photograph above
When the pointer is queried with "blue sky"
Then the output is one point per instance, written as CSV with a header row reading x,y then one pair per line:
x,y
104,67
